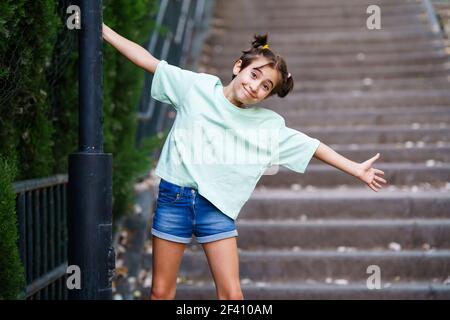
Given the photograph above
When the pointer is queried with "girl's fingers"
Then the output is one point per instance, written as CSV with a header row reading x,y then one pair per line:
x,y
378,171
376,185
373,159
373,188
380,179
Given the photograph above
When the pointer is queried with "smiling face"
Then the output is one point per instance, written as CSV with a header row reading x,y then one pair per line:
x,y
253,83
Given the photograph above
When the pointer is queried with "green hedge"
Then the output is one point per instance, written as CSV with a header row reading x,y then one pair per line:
x,y
12,277
39,105
27,28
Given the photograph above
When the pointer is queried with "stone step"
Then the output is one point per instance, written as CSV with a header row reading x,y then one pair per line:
x,y
367,134
290,265
369,84
256,11
362,100
307,62
291,23
250,11
396,174
412,116
370,125
358,71
394,59
311,4
313,47
350,203
343,235
402,152
306,291
278,39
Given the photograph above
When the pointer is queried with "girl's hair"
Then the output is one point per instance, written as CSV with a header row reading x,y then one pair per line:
x,y
258,49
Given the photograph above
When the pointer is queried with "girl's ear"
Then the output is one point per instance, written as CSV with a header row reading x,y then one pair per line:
x,y
237,67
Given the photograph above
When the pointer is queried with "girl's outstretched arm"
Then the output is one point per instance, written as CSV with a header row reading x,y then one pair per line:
x,y
134,52
362,171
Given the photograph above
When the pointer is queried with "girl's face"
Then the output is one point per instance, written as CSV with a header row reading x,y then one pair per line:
x,y
254,83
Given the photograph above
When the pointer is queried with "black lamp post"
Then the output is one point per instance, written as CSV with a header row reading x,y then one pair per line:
x,y
90,170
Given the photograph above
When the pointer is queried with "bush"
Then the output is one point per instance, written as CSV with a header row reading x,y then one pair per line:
x,y
28,28
12,278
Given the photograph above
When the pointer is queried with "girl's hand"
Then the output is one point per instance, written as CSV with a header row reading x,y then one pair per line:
x,y
370,175
104,30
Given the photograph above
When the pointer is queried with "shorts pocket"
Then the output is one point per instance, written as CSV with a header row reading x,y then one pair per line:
x,y
165,196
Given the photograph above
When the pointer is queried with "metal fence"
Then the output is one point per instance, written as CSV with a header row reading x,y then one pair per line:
x,y
431,16
41,207
185,24
442,11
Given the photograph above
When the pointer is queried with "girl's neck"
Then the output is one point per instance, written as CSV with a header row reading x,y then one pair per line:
x,y
228,93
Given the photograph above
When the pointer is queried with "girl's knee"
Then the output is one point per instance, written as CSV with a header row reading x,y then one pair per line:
x,y
231,295
162,293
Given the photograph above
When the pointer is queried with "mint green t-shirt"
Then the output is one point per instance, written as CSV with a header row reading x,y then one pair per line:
x,y
218,148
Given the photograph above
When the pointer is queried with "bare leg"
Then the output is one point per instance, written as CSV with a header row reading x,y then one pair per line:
x,y
167,257
223,261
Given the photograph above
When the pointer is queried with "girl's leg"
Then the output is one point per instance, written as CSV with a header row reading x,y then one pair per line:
x,y
223,261
167,257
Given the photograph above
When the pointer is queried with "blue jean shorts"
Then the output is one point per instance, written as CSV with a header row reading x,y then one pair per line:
x,y
182,211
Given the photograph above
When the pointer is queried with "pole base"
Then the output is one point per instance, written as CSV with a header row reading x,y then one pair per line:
x,y
90,224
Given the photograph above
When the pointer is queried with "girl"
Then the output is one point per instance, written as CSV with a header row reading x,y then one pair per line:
x,y
207,172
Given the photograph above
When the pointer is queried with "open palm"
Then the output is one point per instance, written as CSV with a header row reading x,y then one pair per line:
x,y
369,175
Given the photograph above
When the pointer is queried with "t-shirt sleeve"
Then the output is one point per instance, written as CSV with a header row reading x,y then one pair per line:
x,y
294,149
170,83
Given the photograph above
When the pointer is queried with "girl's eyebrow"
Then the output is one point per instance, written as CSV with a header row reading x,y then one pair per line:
x,y
258,68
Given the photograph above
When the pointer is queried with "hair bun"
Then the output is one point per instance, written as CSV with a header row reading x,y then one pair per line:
x,y
260,40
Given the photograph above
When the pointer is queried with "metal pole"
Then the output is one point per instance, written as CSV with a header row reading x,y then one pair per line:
x,y
90,170
432,18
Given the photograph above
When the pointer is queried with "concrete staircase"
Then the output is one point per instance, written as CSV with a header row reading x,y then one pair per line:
x,y
360,91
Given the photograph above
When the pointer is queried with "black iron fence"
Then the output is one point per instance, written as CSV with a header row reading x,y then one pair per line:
x,y
41,207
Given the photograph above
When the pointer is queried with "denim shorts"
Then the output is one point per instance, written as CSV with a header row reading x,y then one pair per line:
x,y
182,211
